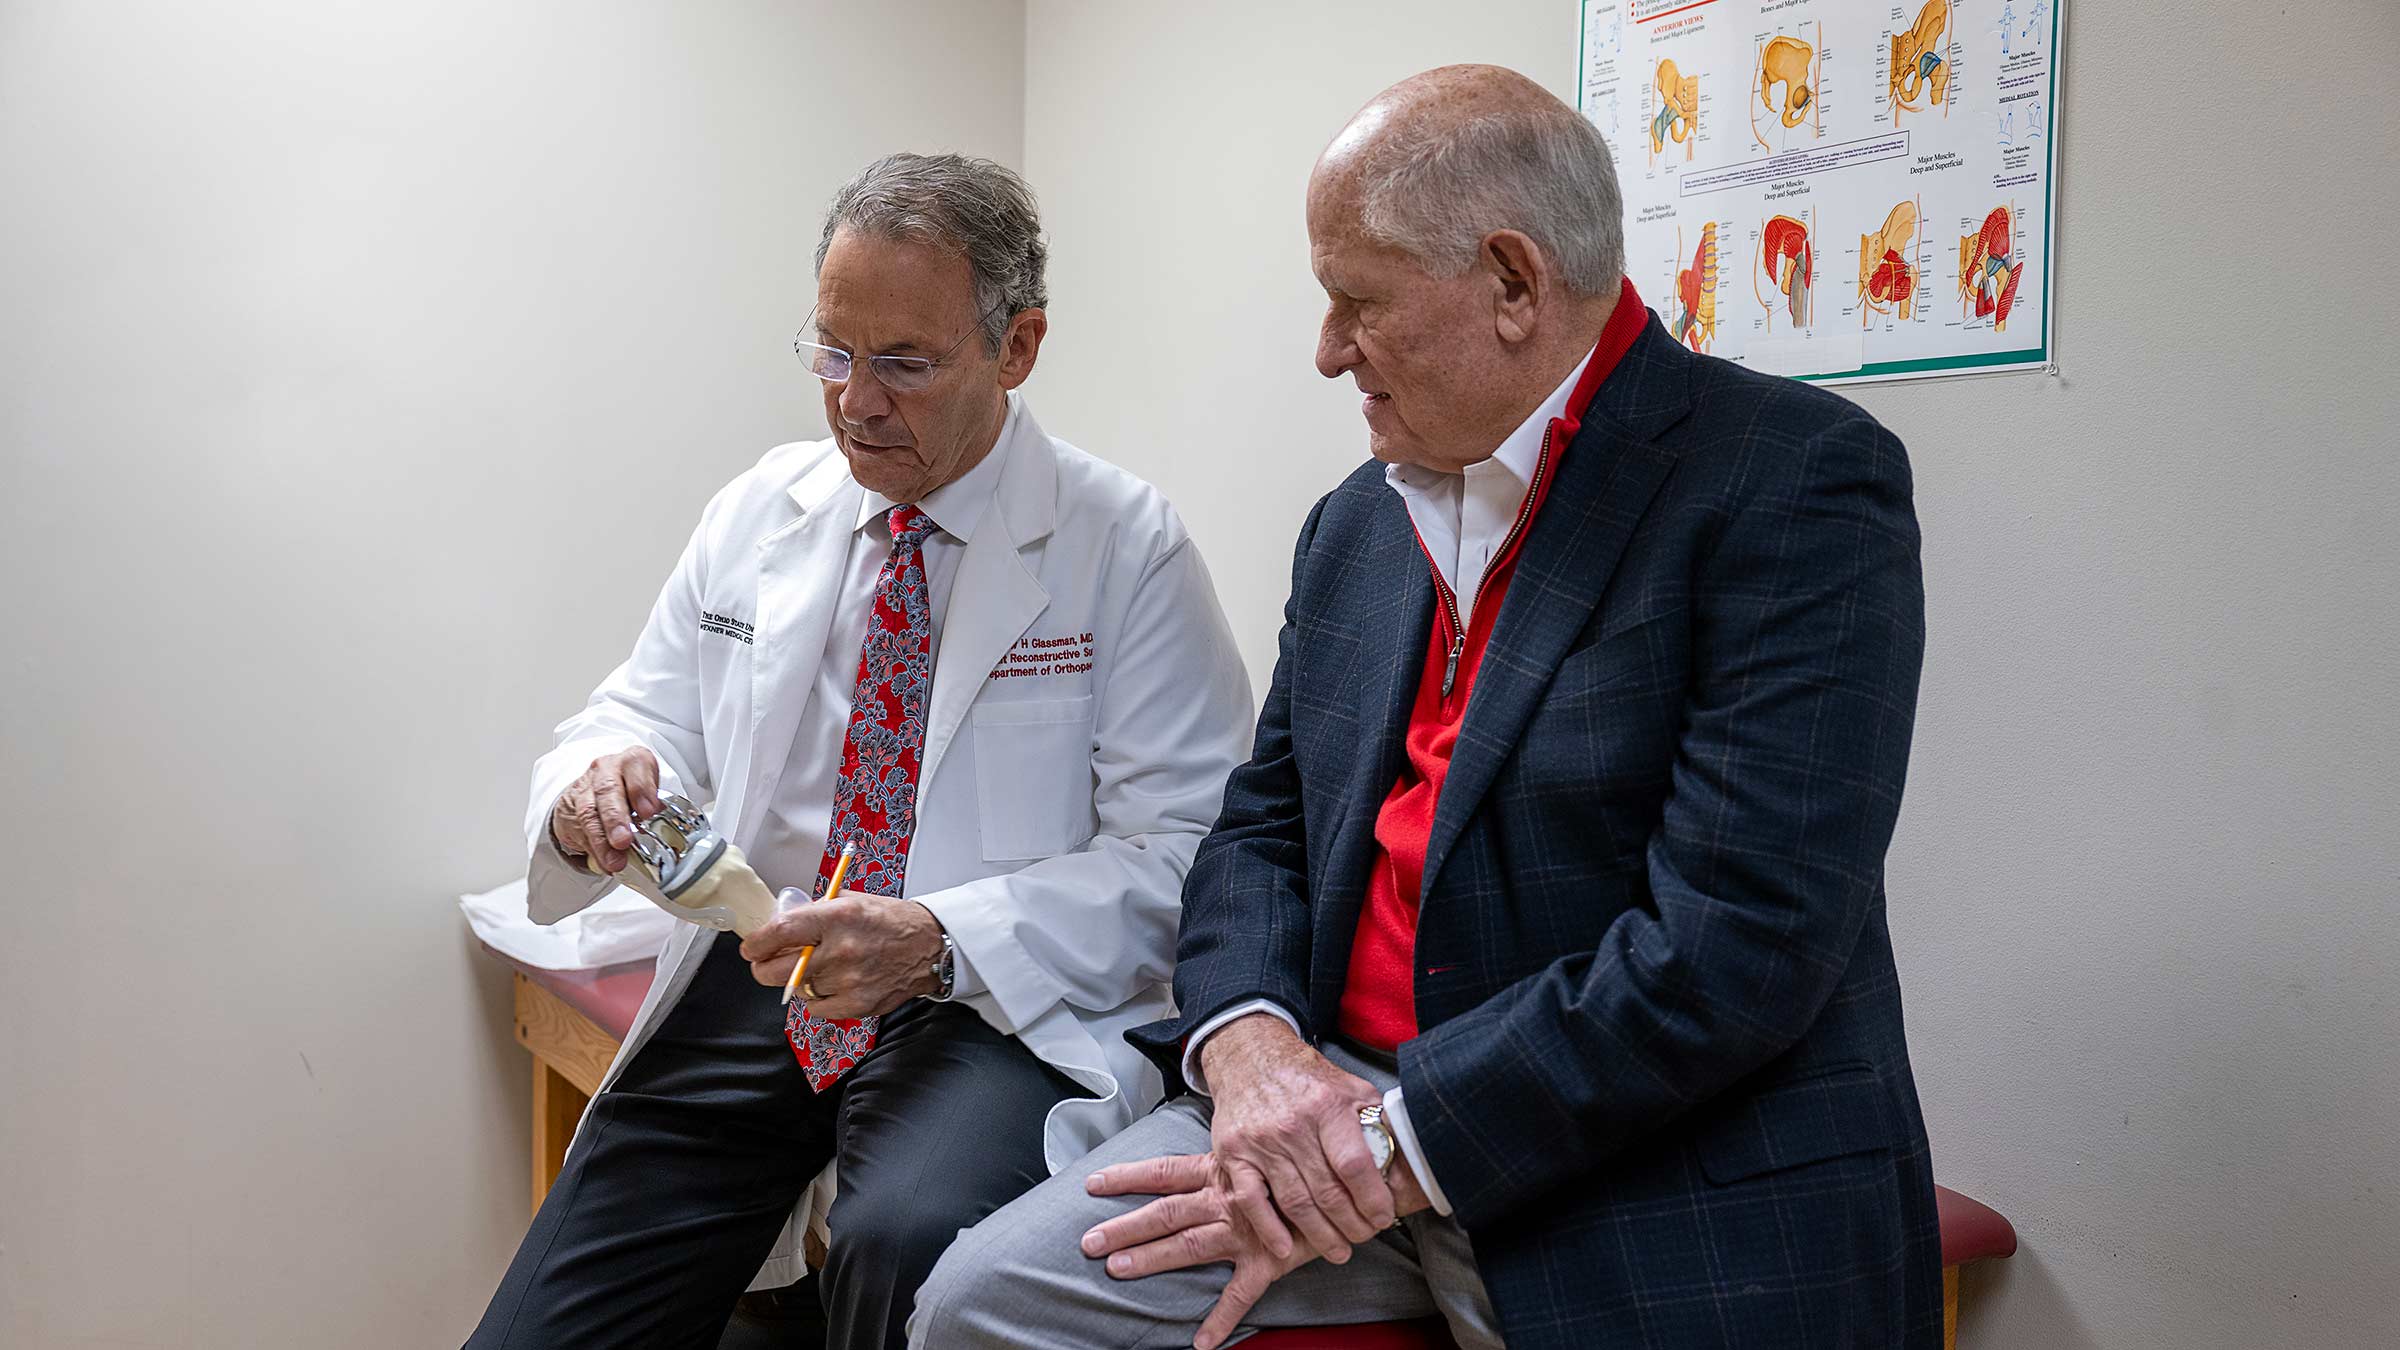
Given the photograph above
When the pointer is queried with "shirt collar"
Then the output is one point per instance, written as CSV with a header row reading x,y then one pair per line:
x,y
958,505
1515,457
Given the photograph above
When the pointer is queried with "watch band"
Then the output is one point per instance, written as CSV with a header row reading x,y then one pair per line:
x,y
945,970
1370,1119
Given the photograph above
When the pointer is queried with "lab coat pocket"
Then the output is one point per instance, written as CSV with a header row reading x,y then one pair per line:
x,y
1033,776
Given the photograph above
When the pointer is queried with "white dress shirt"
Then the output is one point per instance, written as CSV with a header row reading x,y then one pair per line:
x,y
1463,519
791,836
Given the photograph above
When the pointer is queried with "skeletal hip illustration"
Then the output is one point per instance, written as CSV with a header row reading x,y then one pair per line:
x,y
1785,62
1678,110
1887,281
1696,286
1918,69
1790,266
1988,271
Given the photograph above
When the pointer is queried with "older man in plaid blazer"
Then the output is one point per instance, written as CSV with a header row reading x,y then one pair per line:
x,y
1547,918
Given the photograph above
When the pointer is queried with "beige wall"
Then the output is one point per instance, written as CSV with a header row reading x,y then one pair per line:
x,y
1170,145
362,369
2146,890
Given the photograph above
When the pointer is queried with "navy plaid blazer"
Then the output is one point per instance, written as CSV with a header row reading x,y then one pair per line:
x,y
1660,1072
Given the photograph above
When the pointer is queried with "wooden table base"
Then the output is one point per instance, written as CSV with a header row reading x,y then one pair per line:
x,y
570,1056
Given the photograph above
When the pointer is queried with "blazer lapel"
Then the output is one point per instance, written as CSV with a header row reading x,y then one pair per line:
x,y
1389,595
997,596
1394,616
1605,484
795,612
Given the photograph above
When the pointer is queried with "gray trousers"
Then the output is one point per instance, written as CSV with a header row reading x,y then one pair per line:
x,y
1020,1278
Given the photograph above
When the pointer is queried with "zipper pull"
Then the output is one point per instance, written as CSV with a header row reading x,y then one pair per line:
x,y
1458,643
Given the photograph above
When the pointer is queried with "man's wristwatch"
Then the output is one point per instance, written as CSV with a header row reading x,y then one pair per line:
x,y
1379,1137
945,971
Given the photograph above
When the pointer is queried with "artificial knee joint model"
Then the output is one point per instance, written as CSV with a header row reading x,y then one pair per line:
x,y
701,874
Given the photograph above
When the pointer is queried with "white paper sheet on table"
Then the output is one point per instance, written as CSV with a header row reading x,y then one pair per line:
x,y
618,927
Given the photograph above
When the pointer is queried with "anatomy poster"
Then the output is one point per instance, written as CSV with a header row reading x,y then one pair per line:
x,y
1836,189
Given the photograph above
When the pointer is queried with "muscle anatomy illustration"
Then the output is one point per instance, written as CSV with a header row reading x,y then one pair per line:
x,y
1791,63
1920,74
1787,260
1989,269
1678,110
1887,273
1696,287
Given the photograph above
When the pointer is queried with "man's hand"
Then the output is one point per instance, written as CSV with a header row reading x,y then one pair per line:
x,y
1194,1223
873,953
1286,1127
594,817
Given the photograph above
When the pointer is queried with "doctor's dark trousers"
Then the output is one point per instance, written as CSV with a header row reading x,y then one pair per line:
x,y
689,1164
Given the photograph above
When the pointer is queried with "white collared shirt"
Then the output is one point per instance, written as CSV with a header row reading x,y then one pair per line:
x,y
791,834
1463,520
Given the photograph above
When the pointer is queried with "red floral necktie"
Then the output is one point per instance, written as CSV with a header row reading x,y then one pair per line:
x,y
875,791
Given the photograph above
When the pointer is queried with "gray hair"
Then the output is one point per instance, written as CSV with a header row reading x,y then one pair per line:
x,y
1436,194
974,208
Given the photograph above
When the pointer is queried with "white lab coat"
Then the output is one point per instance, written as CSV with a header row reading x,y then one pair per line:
x,y
1057,811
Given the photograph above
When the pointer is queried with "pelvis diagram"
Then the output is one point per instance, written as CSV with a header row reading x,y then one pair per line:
x,y
1788,262
1887,276
1989,269
1920,69
1696,287
1791,63
1678,110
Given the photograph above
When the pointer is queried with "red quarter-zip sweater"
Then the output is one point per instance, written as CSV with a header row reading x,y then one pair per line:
x,y
1379,1002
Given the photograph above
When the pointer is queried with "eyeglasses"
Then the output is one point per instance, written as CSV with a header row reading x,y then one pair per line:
x,y
900,374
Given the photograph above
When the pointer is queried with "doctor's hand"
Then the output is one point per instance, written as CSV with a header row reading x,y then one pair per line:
x,y
874,953
1286,1127
594,817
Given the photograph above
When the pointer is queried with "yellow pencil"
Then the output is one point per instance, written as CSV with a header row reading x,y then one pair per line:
x,y
841,868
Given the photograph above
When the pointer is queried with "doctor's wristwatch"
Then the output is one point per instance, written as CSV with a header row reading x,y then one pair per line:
x,y
945,971
1379,1137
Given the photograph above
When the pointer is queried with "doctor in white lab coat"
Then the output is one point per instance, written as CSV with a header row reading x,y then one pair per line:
x,y
1086,705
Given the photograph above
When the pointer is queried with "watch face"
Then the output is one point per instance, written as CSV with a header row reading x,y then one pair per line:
x,y
1379,1144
